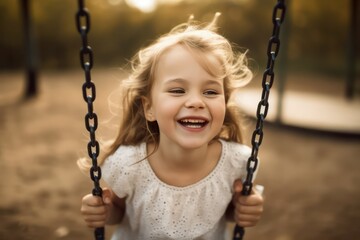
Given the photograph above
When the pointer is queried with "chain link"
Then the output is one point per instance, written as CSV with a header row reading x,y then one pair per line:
x,y
89,95
263,106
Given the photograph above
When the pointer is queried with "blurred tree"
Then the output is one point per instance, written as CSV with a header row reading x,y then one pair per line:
x,y
319,34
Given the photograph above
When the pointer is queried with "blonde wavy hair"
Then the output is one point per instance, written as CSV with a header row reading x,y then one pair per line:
x,y
200,38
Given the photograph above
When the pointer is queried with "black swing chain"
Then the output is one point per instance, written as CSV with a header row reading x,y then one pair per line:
x,y
263,106
89,95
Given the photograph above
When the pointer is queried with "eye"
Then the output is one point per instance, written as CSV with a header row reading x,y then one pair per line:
x,y
210,92
177,91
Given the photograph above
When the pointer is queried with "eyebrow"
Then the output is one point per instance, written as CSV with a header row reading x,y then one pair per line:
x,y
174,80
181,80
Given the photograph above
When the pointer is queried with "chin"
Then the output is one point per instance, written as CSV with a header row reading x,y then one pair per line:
x,y
193,144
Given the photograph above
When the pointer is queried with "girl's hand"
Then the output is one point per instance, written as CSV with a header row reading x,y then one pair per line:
x,y
95,210
248,209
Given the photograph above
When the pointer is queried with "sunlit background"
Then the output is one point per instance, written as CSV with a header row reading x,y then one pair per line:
x,y
311,147
318,32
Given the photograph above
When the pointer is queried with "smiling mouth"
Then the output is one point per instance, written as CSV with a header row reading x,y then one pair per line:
x,y
193,123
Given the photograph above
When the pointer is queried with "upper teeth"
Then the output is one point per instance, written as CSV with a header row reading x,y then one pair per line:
x,y
193,121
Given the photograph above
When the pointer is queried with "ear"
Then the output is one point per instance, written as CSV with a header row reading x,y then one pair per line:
x,y
148,111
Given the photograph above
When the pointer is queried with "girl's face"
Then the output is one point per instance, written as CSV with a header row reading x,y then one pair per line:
x,y
186,101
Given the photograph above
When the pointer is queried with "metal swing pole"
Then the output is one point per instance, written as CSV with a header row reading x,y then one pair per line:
x,y
263,106
31,50
89,95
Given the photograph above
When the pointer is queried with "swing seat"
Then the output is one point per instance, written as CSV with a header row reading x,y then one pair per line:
x,y
326,113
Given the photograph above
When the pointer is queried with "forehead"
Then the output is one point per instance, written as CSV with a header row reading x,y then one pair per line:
x,y
182,58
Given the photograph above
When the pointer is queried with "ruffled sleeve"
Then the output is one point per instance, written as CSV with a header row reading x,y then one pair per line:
x,y
118,170
237,157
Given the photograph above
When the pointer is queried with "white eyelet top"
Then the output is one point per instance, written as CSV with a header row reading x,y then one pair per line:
x,y
156,210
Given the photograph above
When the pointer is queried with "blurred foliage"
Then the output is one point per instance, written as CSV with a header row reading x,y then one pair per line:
x,y
317,36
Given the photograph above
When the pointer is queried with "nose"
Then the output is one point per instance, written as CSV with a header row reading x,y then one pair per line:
x,y
195,100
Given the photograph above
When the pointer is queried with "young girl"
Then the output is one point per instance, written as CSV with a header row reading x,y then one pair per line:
x,y
175,168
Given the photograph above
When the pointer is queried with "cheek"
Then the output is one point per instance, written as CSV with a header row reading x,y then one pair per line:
x,y
165,108
219,109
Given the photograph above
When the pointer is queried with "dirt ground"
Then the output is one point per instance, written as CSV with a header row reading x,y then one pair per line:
x,y
311,178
